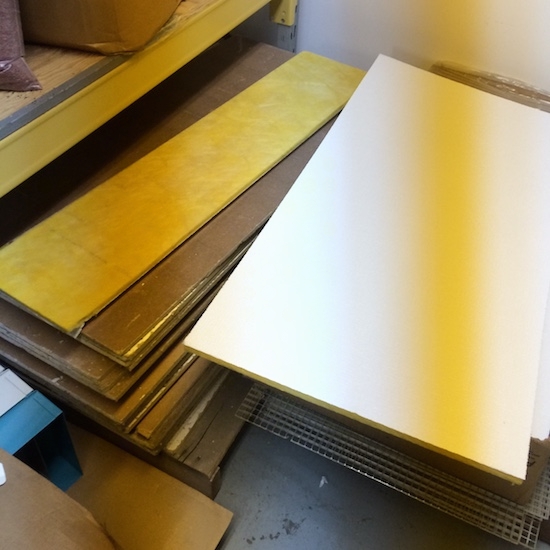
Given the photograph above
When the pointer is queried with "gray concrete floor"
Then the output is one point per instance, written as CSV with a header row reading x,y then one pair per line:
x,y
287,498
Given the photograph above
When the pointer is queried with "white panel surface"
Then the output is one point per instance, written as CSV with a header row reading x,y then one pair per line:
x,y
12,390
403,281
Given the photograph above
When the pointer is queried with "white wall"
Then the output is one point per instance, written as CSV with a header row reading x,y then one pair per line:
x,y
509,37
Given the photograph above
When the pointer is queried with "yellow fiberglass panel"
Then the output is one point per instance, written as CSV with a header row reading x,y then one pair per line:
x,y
70,266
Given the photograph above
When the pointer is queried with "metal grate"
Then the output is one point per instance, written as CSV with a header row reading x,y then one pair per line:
x,y
287,417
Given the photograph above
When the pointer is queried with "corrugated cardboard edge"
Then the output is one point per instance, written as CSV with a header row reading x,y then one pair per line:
x,y
108,27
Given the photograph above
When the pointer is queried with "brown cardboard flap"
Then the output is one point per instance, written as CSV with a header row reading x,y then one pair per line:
x,y
34,513
104,26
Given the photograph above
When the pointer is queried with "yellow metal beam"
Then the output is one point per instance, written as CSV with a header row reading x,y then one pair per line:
x,y
28,149
283,11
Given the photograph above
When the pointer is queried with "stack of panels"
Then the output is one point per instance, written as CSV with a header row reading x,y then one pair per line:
x,y
403,281
97,298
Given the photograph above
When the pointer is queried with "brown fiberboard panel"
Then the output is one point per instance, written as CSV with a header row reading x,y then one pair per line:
x,y
221,403
164,418
203,475
61,351
77,361
204,409
209,452
118,416
134,324
34,513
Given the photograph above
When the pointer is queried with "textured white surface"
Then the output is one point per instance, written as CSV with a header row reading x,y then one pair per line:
x,y
404,279
12,390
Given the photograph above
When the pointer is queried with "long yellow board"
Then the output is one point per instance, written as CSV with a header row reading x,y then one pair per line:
x,y
70,266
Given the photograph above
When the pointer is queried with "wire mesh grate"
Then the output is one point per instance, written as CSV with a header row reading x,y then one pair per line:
x,y
287,417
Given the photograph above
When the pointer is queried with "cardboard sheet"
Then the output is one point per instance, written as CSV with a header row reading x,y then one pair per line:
x,y
34,513
70,266
403,281
141,506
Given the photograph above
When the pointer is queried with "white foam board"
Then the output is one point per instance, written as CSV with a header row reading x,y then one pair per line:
x,y
12,390
404,279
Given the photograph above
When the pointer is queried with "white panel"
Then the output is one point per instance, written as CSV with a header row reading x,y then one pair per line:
x,y
12,390
403,281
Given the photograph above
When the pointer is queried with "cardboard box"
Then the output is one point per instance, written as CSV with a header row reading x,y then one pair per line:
x,y
36,514
104,26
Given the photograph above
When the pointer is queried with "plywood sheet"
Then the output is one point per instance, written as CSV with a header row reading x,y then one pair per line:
x,y
70,266
75,360
403,280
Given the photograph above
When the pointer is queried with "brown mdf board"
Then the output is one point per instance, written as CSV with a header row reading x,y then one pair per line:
x,y
144,315
159,424
119,416
137,318
208,454
221,402
205,407
71,265
76,361
202,468
141,506
403,281
83,364
34,513
61,351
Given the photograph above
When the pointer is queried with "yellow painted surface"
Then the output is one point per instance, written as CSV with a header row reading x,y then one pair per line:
x,y
195,26
283,12
70,266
